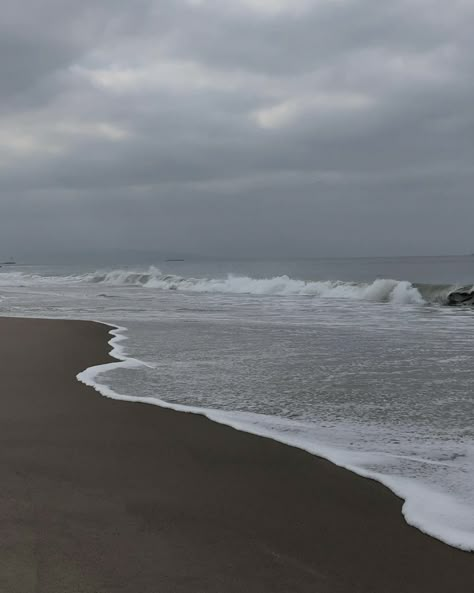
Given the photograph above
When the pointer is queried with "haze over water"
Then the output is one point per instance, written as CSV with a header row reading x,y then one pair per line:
x,y
354,359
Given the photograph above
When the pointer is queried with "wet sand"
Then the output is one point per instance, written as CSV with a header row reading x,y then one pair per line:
x,y
101,496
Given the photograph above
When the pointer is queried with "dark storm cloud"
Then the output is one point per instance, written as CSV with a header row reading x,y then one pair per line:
x,y
237,126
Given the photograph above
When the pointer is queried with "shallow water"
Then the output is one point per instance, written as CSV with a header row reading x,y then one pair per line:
x,y
373,374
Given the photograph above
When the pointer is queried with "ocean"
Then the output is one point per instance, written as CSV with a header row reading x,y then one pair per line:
x,y
357,360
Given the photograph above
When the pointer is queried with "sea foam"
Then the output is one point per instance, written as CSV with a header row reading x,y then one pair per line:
x,y
380,290
434,513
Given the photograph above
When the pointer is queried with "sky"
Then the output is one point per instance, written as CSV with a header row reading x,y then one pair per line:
x,y
237,128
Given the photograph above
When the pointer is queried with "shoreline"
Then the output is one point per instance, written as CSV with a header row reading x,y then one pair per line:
x,y
411,495
110,496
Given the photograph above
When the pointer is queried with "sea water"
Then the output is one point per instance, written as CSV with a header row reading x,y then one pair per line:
x,y
357,360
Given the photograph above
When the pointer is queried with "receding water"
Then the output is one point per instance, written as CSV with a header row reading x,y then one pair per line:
x,y
354,359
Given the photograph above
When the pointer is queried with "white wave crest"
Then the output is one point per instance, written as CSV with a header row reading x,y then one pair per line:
x,y
20,279
381,290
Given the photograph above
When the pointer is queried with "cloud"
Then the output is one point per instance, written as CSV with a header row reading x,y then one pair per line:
x,y
226,116
318,105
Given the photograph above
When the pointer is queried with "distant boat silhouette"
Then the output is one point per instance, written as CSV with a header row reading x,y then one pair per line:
x,y
10,262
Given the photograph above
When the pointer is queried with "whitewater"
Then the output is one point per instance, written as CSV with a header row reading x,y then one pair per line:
x,y
368,371
379,290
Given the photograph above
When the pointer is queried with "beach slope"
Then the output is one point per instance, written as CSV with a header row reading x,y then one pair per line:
x,y
102,496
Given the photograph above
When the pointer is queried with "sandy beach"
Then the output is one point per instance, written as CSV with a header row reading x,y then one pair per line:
x,y
101,496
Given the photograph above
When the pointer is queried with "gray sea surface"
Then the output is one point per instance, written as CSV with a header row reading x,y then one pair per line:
x,y
356,359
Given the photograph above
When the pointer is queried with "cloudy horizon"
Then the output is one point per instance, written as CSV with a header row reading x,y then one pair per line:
x,y
237,127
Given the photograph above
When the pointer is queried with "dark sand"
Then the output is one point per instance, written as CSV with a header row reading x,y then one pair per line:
x,y
101,496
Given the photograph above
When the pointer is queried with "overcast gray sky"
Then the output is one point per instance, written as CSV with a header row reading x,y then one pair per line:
x,y
237,127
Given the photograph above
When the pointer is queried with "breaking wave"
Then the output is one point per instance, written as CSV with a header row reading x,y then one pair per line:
x,y
380,290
